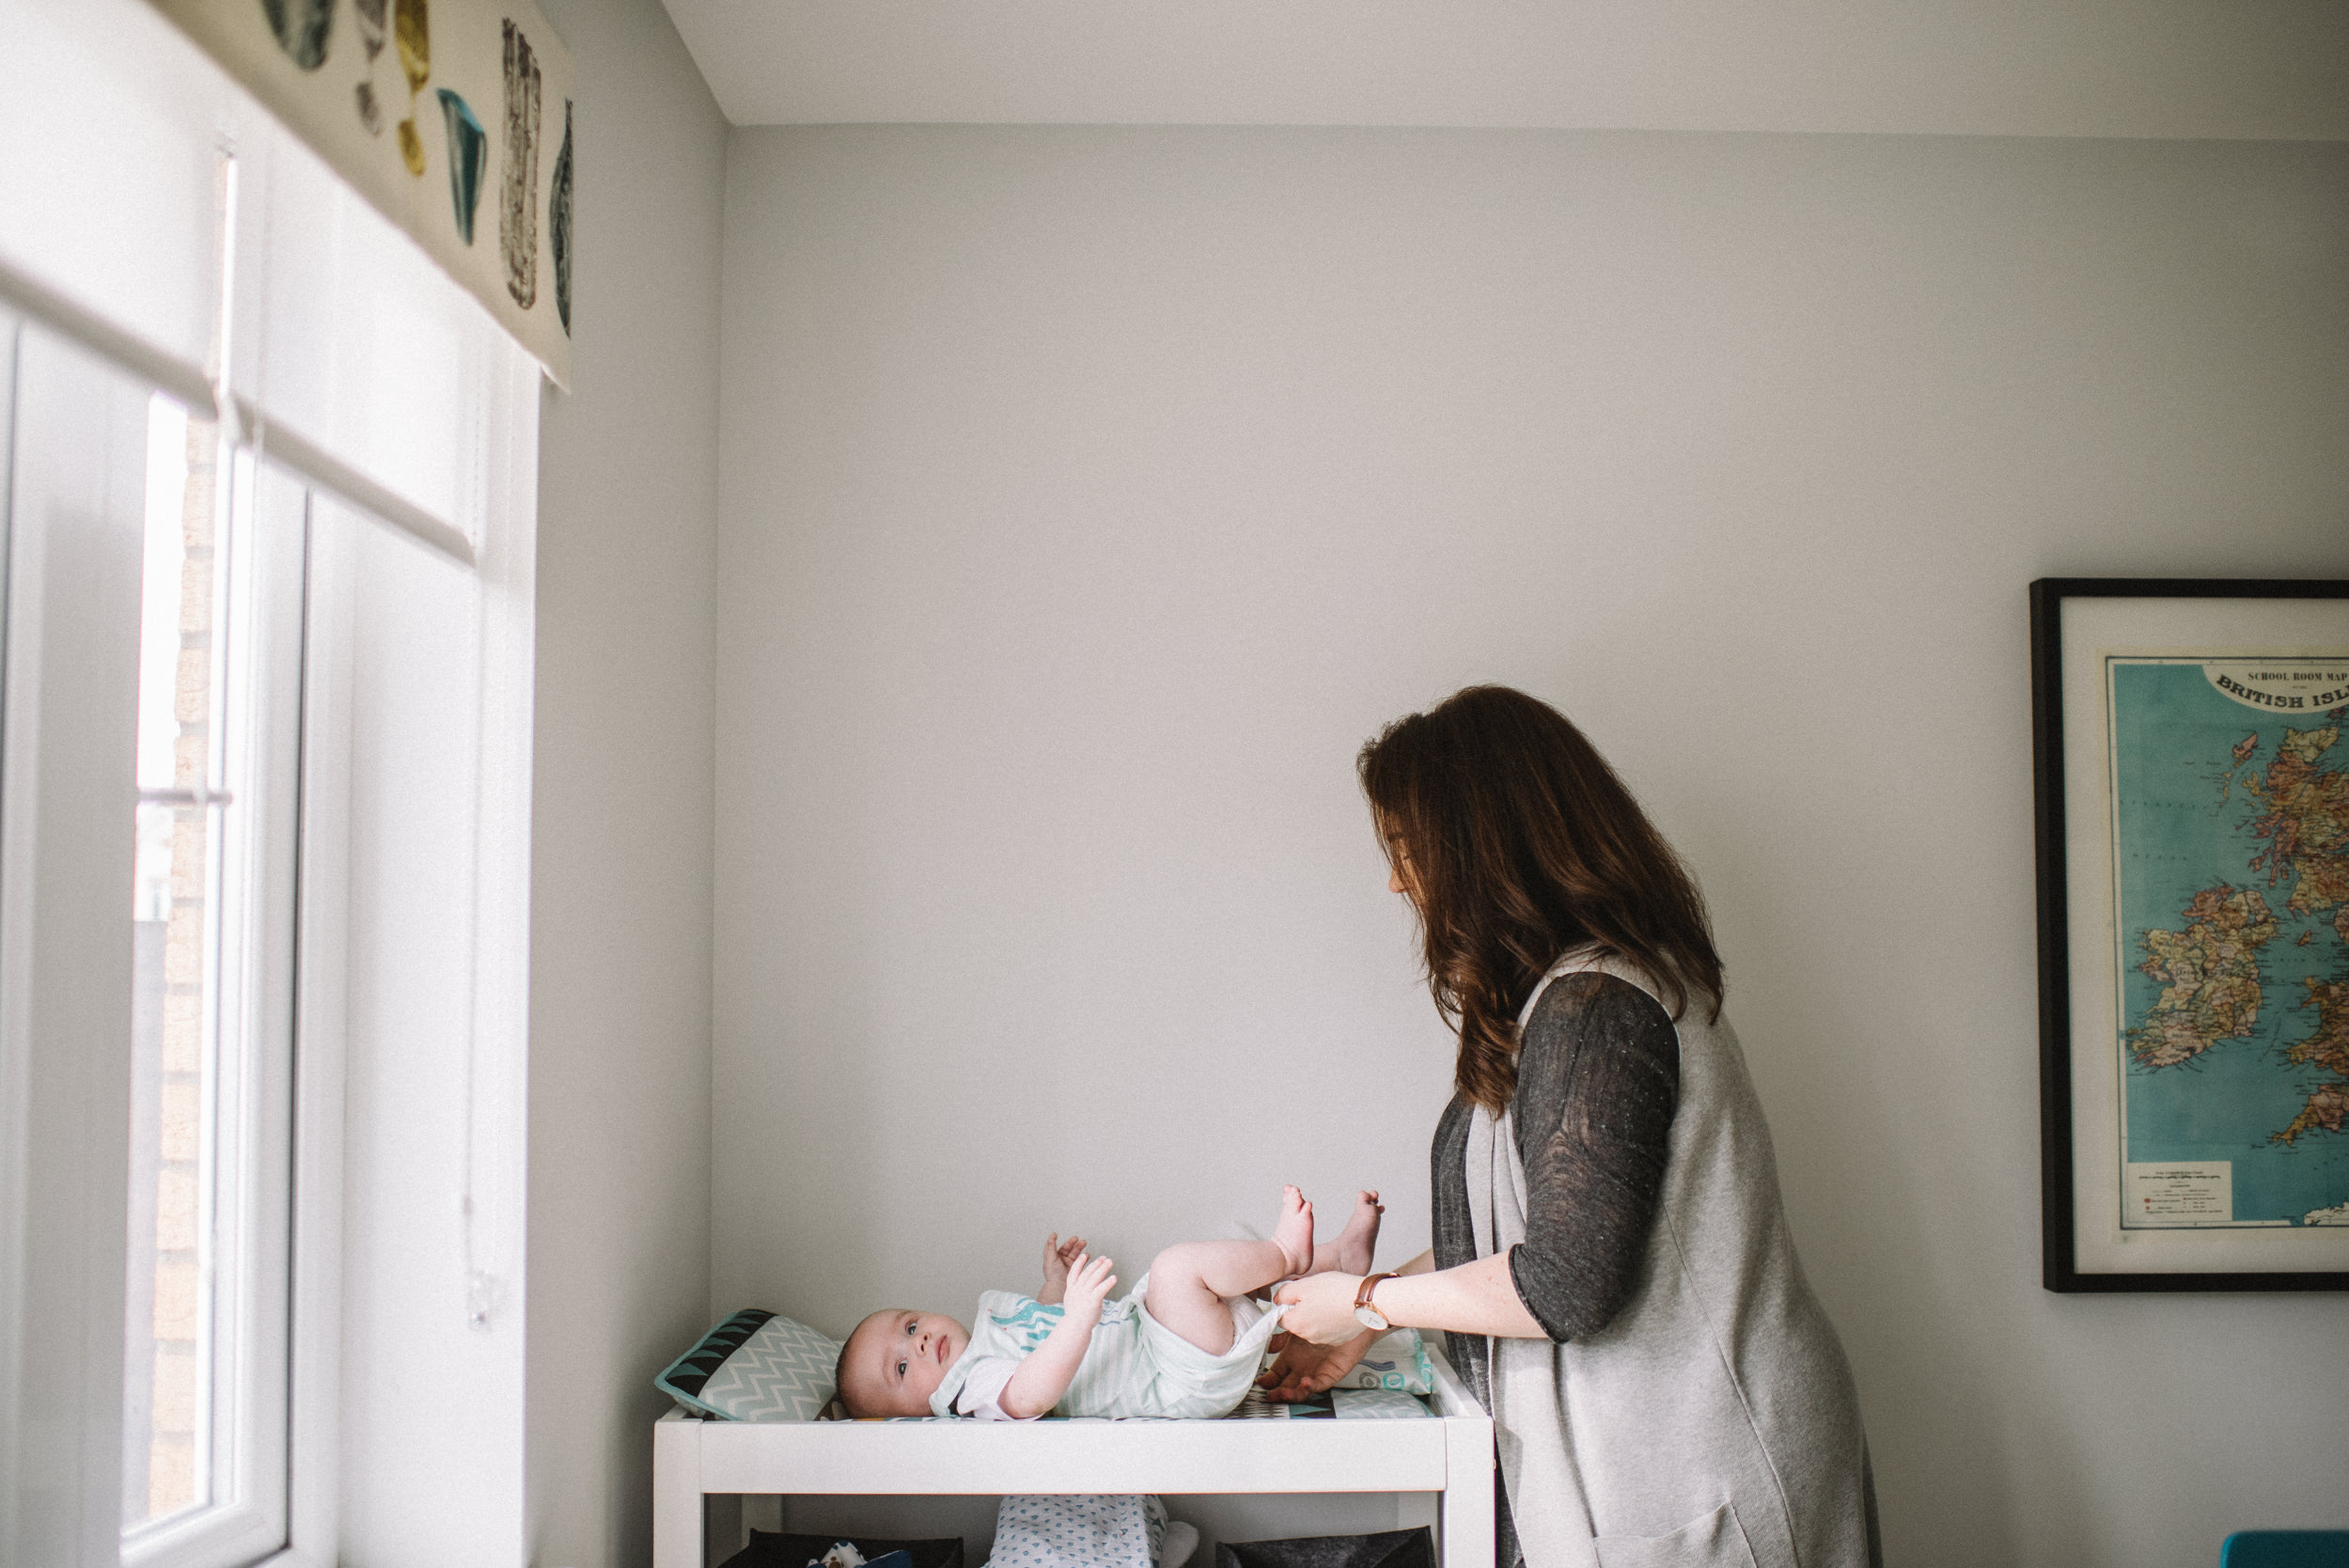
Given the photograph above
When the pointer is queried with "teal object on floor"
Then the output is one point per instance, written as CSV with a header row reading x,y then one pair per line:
x,y
2285,1548
468,155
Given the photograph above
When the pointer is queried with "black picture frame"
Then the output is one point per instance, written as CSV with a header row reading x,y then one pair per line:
x,y
2058,1209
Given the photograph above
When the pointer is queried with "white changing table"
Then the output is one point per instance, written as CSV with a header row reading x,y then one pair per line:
x,y
1448,1458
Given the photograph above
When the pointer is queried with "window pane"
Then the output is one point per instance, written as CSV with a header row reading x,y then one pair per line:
x,y
169,1317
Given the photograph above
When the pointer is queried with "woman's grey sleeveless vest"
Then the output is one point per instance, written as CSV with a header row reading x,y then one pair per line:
x,y
1715,1422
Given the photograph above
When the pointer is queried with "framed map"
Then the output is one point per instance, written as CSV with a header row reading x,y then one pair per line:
x,y
2193,821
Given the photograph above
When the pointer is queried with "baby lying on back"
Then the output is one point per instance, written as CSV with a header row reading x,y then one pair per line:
x,y
1185,1342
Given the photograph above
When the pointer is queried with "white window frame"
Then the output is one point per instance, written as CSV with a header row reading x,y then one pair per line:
x,y
260,592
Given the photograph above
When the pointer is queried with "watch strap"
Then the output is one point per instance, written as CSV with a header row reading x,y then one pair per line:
x,y
1369,1283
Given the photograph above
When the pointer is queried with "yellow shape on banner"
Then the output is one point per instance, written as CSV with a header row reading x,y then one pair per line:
x,y
412,28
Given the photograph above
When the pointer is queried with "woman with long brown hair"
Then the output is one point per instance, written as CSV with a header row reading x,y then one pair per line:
x,y
1611,1263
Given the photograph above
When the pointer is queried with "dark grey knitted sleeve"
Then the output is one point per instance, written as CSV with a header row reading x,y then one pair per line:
x,y
1598,1080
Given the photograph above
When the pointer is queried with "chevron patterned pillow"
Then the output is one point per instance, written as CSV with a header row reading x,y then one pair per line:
x,y
754,1366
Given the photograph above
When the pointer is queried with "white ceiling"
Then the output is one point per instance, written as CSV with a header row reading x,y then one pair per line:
x,y
2065,68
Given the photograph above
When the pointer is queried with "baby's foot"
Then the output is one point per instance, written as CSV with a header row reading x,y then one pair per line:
x,y
1360,1239
1293,1233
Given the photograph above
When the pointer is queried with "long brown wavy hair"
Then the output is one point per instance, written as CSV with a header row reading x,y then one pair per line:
x,y
1517,843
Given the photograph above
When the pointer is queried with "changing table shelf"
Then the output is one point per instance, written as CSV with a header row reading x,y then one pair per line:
x,y
1450,1456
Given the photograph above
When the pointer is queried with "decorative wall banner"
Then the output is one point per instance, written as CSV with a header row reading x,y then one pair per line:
x,y
428,107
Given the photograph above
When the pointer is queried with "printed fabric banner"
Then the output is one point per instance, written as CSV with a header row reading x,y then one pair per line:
x,y
452,117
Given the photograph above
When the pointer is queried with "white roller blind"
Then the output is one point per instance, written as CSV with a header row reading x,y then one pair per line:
x,y
107,195
348,343
352,356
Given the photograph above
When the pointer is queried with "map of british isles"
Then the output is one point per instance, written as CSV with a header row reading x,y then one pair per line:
x,y
2231,852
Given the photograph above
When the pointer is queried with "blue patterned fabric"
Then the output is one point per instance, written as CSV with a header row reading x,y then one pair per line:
x,y
1078,1533
1395,1360
1376,1405
754,1366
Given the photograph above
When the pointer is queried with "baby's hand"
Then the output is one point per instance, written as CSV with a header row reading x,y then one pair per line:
x,y
1059,1255
1089,1284
1044,1375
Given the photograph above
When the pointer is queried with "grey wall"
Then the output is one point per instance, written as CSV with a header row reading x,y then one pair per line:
x,y
620,1002
1088,496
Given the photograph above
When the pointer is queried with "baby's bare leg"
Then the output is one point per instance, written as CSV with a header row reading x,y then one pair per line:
x,y
1192,1283
1352,1251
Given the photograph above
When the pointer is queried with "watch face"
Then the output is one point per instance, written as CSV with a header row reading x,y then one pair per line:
x,y
1371,1317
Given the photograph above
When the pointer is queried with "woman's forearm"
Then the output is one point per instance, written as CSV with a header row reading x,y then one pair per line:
x,y
1474,1298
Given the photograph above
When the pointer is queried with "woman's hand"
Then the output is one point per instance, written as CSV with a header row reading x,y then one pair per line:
x,y
1321,1308
1302,1370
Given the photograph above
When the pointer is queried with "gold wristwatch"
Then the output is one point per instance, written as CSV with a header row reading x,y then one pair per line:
x,y
1366,1314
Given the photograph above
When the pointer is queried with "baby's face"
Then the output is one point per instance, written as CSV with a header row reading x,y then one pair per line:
x,y
895,1359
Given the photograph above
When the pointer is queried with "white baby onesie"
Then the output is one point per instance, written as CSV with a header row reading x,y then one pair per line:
x,y
1134,1366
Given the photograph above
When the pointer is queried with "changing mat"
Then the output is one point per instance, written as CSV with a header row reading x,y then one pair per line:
x,y
1342,1404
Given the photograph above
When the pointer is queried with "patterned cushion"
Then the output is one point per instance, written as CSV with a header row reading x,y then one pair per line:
x,y
1078,1533
1376,1405
754,1366
1397,1361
